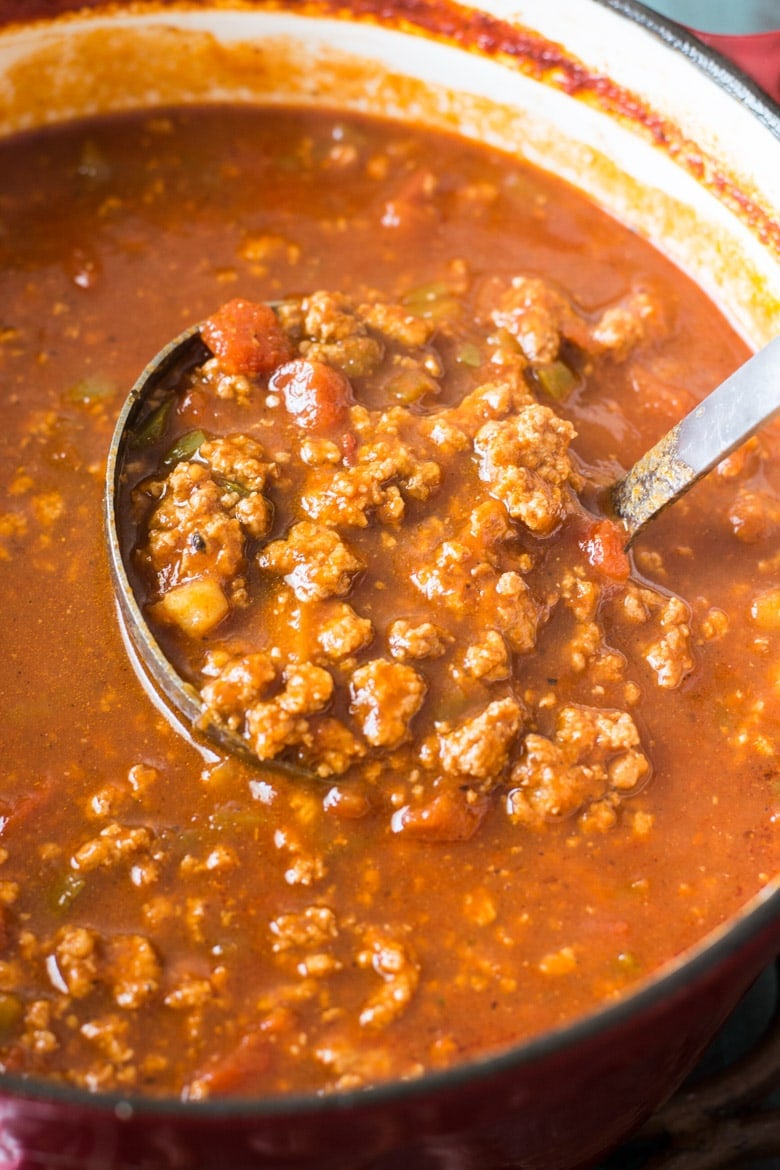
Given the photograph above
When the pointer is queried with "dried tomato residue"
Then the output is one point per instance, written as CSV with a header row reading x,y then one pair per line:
x,y
475,30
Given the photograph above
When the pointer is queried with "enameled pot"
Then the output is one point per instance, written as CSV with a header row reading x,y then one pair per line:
x,y
671,138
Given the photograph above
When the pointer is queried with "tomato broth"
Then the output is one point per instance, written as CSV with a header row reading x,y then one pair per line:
x,y
178,922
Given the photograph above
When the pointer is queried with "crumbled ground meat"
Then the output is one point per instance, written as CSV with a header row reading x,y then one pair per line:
x,y
114,844
385,470
592,757
238,683
388,957
192,530
134,969
491,400
754,515
395,550
313,560
342,631
385,698
540,317
669,654
488,659
425,640
76,958
331,747
273,725
315,926
240,464
480,746
399,324
525,461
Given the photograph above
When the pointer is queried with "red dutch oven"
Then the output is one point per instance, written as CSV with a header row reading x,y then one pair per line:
x,y
561,1100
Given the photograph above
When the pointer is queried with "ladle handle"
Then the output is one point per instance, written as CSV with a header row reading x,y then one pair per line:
x,y
742,404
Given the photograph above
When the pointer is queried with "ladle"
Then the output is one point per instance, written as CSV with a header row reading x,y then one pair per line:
x,y
728,416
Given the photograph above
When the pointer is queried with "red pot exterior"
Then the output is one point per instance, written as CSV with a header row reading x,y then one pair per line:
x,y
557,1105
757,54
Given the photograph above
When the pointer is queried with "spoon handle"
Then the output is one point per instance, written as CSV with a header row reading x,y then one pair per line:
x,y
747,400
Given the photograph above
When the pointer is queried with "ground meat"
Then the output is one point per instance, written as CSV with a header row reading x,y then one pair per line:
x,y
383,472
507,599
425,640
133,969
115,843
593,755
76,959
633,321
280,722
467,586
480,746
314,561
385,698
488,659
192,531
540,317
240,463
238,683
342,631
495,399
388,957
109,1035
331,748
754,515
330,316
670,656
239,459
316,926
399,324
329,328
525,461
448,579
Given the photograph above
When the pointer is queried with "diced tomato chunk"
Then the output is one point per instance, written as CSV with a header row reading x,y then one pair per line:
x,y
247,338
318,396
448,816
604,546
242,1068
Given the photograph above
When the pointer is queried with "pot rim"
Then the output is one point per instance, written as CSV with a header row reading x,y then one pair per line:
x,y
757,917
725,72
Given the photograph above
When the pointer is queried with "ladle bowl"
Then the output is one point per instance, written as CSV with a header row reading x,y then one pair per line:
x,y
728,416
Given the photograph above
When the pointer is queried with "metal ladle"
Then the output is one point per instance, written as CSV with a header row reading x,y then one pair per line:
x,y
727,417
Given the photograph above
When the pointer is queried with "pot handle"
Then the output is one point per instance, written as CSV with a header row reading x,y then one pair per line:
x,y
757,54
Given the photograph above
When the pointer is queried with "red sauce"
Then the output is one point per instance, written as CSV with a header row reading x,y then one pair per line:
x,y
179,925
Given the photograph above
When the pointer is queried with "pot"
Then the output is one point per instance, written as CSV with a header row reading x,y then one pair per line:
x,y
671,139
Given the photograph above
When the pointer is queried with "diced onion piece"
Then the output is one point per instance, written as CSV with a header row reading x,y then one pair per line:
x,y
196,607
